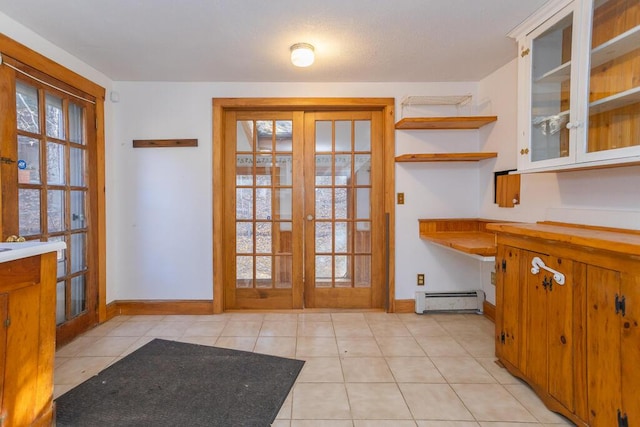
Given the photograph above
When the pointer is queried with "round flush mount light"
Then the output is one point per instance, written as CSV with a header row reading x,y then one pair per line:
x,y
302,54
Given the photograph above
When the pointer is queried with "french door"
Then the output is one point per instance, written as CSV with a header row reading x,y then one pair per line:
x,y
48,188
304,216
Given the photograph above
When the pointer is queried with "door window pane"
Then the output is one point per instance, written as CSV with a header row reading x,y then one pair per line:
x,y
323,170
284,202
244,169
244,203
29,212
77,167
78,251
55,212
78,219
363,169
55,117
323,136
244,272
324,237
283,233
363,203
363,237
341,271
342,203
28,113
324,267
343,169
284,169
284,141
55,164
263,203
61,257
342,237
263,237
29,153
324,203
244,135
244,237
284,272
263,272
76,123
78,295
61,293
362,271
264,166
343,135
265,135
362,135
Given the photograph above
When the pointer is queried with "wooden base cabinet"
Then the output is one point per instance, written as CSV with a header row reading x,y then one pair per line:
x,y
577,343
27,340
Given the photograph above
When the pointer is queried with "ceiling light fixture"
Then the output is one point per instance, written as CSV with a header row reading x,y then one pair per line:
x,y
302,54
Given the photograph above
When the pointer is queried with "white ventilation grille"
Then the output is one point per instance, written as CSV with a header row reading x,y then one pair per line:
x,y
464,302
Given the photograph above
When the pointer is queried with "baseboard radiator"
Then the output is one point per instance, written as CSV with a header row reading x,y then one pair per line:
x,y
459,302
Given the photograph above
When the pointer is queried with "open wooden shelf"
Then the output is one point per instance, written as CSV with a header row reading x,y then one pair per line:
x,y
445,157
467,122
466,235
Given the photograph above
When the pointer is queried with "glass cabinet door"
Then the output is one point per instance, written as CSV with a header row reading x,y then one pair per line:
x,y
552,92
614,80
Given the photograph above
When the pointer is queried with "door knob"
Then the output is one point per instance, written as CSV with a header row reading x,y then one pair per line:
x,y
13,238
309,217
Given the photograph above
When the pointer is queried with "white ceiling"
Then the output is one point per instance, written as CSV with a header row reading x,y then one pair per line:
x,y
248,40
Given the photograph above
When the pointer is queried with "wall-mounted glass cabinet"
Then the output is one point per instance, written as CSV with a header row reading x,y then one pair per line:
x,y
579,85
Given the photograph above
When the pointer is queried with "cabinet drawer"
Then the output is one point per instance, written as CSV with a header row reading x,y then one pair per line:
x,y
19,273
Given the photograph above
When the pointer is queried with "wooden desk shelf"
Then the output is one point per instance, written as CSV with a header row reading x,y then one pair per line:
x,y
466,235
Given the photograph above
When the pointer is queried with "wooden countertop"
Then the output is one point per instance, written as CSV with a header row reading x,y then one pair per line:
x,y
599,238
467,235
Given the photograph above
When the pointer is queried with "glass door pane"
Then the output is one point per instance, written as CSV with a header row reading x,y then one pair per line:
x,y
614,84
551,91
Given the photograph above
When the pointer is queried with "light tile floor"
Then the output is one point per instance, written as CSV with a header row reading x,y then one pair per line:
x,y
362,369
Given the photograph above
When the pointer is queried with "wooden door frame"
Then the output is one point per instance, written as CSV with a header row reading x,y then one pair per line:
x,y
33,59
222,105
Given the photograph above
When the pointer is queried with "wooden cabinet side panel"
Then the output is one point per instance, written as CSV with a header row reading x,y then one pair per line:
x,y
560,334
47,335
534,355
603,347
630,354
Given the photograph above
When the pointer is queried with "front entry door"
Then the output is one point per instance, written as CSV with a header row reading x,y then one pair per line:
x,y
304,217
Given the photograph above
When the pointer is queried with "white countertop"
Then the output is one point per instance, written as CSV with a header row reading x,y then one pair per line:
x,y
27,249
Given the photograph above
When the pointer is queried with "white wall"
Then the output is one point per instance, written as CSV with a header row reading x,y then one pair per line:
x,y
162,211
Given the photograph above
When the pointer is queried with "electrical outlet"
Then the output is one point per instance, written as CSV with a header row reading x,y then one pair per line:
x,y
401,198
493,278
420,279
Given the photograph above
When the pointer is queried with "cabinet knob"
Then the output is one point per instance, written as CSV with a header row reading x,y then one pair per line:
x,y
573,125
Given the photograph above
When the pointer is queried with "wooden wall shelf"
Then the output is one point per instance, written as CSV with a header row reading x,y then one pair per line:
x,y
463,122
445,157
